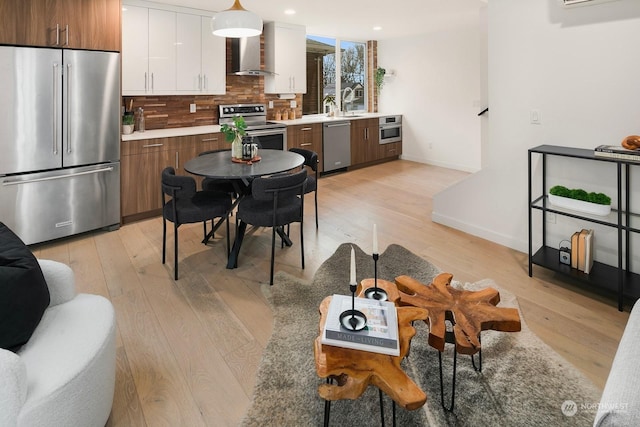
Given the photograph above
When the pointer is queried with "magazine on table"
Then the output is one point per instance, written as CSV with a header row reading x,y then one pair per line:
x,y
379,336
617,152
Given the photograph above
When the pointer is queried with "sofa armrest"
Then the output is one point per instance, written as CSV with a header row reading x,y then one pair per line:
x,y
60,281
13,392
620,402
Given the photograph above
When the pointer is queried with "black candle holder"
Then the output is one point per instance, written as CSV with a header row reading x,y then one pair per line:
x,y
376,292
353,320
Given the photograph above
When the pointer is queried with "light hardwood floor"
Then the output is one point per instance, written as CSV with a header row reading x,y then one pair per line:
x,y
188,350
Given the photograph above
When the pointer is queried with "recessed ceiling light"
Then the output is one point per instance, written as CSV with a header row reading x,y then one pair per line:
x,y
289,12
377,28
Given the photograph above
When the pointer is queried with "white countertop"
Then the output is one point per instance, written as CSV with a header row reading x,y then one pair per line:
x,y
198,130
172,132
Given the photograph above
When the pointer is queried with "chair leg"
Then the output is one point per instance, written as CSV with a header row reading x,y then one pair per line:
x,y
228,239
204,225
164,238
273,252
315,193
175,250
302,243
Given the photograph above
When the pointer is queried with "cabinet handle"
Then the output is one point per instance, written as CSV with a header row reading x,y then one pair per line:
x,y
152,82
304,144
152,145
205,82
306,129
208,139
66,32
177,158
145,81
199,82
57,35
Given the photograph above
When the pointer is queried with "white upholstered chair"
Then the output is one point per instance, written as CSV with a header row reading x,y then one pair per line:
x,y
65,374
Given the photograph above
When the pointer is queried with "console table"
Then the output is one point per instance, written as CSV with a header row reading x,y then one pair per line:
x,y
616,279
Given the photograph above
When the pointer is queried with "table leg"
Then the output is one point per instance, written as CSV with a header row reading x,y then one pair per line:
x,y
283,236
237,243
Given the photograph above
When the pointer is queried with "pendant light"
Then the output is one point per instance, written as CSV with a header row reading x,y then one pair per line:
x,y
236,22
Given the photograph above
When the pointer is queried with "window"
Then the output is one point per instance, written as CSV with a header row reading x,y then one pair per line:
x,y
336,74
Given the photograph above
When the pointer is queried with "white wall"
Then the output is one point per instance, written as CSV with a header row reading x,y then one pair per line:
x,y
580,68
436,87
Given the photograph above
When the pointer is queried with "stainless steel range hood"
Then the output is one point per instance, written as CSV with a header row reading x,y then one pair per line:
x,y
245,57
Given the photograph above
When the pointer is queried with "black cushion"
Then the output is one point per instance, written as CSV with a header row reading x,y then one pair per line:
x,y
24,295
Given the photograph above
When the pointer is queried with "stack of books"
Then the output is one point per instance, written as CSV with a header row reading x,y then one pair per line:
x,y
582,250
379,336
617,152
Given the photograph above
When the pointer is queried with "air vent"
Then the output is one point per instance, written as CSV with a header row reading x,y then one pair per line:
x,y
575,3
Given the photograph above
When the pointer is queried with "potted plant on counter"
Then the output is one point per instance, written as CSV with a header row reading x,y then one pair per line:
x,y
580,200
127,123
329,100
233,133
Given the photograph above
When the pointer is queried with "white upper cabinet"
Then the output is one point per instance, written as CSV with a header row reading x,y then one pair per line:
x,y
285,54
162,52
135,49
214,60
201,56
170,52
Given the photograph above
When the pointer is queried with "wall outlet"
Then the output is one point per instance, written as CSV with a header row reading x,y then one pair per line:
x,y
192,108
270,104
293,104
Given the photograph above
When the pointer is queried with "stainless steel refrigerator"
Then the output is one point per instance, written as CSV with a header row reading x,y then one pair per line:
x,y
59,141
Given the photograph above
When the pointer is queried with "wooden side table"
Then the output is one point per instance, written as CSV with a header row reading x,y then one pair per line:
x,y
355,370
468,312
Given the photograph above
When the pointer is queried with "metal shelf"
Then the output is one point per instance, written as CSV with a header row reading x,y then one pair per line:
x,y
612,279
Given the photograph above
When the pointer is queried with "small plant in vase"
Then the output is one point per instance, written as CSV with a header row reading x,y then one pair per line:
x,y
127,123
330,101
233,133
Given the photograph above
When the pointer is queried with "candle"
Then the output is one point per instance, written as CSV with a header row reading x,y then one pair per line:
x,y
375,239
352,281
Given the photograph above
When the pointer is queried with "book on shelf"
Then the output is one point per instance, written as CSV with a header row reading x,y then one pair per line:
x,y
574,249
582,250
379,336
617,152
588,251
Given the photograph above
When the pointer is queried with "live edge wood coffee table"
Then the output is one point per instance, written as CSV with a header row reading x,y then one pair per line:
x,y
354,370
469,313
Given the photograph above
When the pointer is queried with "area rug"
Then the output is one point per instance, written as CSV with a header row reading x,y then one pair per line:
x,y
523,381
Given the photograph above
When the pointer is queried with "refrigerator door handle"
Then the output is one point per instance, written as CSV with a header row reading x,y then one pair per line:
x,y
56,88
51,178
68,86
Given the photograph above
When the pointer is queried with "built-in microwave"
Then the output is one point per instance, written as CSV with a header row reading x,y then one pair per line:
x,y
390,129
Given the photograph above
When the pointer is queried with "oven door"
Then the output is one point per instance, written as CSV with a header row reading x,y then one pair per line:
x,y
273,139
390,133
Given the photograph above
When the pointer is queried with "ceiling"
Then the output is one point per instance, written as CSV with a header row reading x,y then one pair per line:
x,y
355,19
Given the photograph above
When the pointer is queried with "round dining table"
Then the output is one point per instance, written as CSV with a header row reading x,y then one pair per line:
x,y
218,165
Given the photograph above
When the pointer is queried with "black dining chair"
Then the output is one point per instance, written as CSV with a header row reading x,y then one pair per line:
x,y
185,205
310,160
274,202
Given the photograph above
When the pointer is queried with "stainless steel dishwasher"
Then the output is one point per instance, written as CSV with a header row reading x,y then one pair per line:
x,y
336,145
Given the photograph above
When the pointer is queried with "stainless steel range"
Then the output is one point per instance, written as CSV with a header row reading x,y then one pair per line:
x,y
272,135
